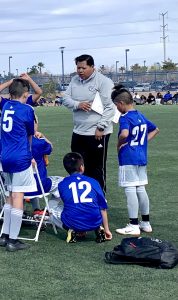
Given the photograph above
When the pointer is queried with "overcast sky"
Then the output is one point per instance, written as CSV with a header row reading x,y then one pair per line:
x,y
33,31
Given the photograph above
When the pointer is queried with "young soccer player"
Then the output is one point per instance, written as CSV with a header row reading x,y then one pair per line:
x,y
31,99
17,125
84,202
134,133
41,147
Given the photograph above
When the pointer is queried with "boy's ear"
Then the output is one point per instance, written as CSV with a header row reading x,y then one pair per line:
x,y
25,95
82,168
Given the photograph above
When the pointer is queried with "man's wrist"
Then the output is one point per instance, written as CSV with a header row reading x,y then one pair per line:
x,y
99,128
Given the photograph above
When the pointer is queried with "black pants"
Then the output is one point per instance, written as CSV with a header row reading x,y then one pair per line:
x,y
94,153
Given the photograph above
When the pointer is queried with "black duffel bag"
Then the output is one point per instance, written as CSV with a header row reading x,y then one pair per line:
x,y
144,251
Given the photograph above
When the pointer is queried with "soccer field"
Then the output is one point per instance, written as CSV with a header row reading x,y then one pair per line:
x,y
53,269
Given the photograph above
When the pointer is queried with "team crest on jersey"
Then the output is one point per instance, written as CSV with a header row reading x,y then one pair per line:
x,y
92,88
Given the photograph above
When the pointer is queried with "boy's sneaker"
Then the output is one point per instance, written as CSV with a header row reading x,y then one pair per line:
x,y
130,229
17,245
100,235
3,241
145,226
71,236
37,214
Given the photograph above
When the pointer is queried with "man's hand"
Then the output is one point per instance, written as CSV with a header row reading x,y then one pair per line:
x,y
86,106
98,134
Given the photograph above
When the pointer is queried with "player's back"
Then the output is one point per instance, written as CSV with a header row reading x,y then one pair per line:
x,y
83,199
135,151
17,124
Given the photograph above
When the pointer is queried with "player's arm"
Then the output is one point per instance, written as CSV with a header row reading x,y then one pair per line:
x,y
5,85
122,139
38,91
108,234
152,134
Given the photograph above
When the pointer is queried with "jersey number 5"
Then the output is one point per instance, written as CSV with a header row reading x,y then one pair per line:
x,y
7,120
82,185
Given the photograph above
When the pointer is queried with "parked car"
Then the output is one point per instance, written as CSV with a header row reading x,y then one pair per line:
x,y
157,85
144,87
172,86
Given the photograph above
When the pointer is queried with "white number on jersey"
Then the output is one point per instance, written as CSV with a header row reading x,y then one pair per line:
x,y
82,185
7,120
135,131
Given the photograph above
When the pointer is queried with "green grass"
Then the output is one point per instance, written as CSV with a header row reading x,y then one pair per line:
x,y
52,269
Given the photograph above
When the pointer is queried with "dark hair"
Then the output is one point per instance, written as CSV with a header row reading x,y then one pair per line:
x,y
85,57
18,87
72,162
120,93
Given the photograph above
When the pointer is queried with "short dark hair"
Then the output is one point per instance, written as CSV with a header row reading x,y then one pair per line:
x,y
85,57
72,162
121,94
18,87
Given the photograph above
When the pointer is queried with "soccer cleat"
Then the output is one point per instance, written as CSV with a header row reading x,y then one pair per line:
x,y
18,245
81,236
145,226
100,235
71,236
3,241
37,214
130,229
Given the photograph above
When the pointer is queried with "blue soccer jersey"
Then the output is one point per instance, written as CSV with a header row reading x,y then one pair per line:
x,y
41,147
135,151
5,100
83,200
17,124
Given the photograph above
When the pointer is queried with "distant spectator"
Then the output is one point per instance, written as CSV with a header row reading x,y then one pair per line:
x,y
142,99
151,99
136,98
159,98
58,101
167,98
42,101
175,98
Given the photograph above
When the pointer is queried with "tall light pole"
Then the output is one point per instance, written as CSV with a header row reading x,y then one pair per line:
x,y
10,66
117,61
62,58
17,70
126,64
4,73
144,62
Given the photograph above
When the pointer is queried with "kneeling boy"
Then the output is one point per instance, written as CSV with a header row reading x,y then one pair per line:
x,y
84,202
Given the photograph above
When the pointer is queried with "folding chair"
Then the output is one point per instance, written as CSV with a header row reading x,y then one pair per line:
x,y
2,194
38,222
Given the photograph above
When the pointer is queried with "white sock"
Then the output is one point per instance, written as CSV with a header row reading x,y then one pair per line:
x,y
143,200
132,202
16,222
7,218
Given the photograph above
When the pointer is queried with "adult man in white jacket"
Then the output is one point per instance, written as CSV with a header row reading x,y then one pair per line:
x,y
91,130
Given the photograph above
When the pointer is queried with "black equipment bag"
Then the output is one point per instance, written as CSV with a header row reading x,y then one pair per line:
x,y
144,251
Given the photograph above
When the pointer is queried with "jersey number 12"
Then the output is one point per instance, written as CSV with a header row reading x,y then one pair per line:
x,y
82,185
